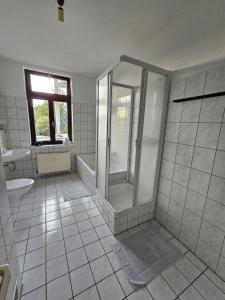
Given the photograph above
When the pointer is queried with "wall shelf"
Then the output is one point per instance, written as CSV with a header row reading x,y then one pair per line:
x,y
219,94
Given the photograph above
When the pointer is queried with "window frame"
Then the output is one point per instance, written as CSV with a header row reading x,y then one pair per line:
x,y
50,98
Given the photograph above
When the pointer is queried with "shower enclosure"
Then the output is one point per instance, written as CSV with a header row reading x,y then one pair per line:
x,y
131,106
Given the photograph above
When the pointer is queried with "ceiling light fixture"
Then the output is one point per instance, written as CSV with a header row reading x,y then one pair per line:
x,y
60,10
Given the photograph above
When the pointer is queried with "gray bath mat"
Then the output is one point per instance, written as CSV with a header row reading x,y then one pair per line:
x,y
145,254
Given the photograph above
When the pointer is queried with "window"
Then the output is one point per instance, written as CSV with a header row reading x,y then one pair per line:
x,y
49,104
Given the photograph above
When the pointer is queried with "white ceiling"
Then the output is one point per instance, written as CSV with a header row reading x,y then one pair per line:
x,y
169,33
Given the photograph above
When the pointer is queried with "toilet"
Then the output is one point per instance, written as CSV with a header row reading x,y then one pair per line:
x,y
17,187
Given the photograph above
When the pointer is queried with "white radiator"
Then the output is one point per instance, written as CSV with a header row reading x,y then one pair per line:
x,y
53,162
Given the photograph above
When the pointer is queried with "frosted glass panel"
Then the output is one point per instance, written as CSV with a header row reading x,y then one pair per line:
x,y
102,134
134,132
151,137
120,126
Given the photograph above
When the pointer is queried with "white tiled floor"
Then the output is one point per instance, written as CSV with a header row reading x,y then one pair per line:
x,y
65,253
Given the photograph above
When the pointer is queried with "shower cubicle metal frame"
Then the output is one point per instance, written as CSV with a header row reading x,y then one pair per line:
x,y
144,80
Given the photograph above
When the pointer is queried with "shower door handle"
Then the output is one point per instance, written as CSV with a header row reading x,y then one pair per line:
x,y
5,276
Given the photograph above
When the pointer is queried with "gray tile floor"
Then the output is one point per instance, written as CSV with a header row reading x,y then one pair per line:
x,y
65,253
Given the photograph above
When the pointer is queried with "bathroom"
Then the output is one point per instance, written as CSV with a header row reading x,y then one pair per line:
x,y
130,166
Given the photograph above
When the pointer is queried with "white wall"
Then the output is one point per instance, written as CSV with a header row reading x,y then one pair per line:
x,y
12,81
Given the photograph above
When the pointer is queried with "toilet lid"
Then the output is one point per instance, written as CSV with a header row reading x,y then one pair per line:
x,y
16,184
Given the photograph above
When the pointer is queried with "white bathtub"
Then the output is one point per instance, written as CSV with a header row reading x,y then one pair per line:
x,y
85,167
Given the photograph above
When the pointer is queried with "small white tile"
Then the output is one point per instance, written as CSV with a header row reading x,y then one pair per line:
x,y
55,250
38,294
215,279
140,294
172,131
77,258
212,110
68,220
94,250
89,294
207,289
178,193
191,221
160,290
221,267
167,169
219,164
73,242
124,282
203,159
81,279
84,225
199,181
37,230
165,186
59,289
114,261
89,236
169,151
207,254
221,144
214,213
36,242
81,216
174,112
103,231
195,84
101,268
110,288
215,80
195,202
188,269
175,279
33,279
56,268
184,155
34,258
187,238
181,174
108,243
175,211
54,236
211,235
177,88
187,134
208,134
191,111
53,225
21,247
197,262
190,294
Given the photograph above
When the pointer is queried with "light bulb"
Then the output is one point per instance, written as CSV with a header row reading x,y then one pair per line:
x,y
61,14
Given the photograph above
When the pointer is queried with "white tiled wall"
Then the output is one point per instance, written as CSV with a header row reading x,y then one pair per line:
x,y
119,221
191,201
14,114
8,253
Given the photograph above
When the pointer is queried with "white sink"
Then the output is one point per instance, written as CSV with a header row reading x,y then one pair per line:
x,y
14,154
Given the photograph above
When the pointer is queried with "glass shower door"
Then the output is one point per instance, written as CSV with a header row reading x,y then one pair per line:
x,y
120,129
152,111
102,135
